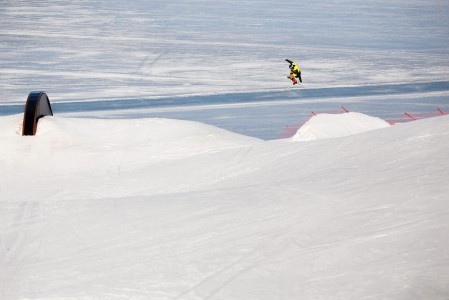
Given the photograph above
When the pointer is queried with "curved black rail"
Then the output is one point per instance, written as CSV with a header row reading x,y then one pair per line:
x,y
37,106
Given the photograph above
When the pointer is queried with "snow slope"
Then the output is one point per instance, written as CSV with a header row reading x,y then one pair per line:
x,y
129,150
166,209
110,49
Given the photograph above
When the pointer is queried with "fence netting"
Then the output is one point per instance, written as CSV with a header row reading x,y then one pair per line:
x,y
290,130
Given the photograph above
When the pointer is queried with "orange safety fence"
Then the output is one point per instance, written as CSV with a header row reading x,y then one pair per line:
x,y
408,117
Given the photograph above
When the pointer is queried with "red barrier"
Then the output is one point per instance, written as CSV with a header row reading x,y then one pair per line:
x,y
425,115
411,117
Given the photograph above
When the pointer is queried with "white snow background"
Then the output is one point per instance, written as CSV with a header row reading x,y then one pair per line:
x,y
142,186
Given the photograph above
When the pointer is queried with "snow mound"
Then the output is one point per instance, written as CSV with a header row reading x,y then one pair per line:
x,y
61,136
91,152
168,209
324,126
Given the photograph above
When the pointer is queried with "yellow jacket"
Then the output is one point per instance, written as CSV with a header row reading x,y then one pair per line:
x,y
295,69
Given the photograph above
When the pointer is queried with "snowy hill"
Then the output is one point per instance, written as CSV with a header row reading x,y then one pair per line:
x,y
130,201
325,126
168,209
109,155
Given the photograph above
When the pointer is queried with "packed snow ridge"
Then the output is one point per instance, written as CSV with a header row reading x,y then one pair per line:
x,y
170,209
324,126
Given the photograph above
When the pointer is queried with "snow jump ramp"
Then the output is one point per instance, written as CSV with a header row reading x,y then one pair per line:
x,y
36,107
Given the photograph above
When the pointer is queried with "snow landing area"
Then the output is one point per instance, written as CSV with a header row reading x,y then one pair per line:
x,y
169,209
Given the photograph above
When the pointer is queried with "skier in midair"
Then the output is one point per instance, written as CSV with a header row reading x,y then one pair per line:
x,y
295,72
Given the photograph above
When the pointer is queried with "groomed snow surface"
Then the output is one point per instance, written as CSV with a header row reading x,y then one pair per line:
x,y
148,207
169,209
